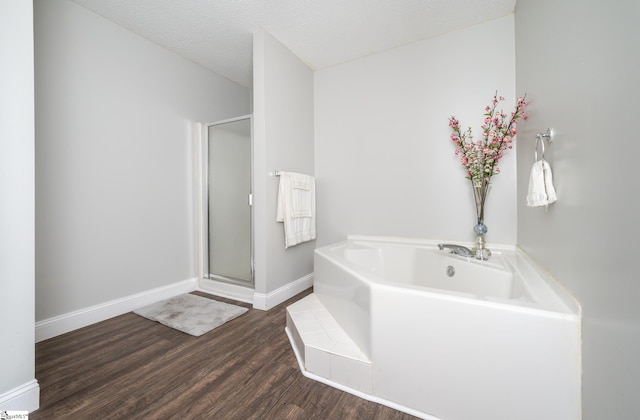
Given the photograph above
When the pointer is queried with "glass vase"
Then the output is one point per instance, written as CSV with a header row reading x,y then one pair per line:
x,y
480,191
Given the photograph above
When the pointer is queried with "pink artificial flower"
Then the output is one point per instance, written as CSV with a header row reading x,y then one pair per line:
x,y
480,157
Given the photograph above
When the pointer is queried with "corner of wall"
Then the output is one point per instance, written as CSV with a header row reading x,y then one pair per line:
x,y
283,86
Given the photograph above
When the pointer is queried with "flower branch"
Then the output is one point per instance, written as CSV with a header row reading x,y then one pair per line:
x,y
480,158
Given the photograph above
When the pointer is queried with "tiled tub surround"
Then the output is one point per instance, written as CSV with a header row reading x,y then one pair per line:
x,y
497,340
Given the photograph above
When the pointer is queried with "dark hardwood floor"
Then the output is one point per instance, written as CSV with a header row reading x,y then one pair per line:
x,y
131,368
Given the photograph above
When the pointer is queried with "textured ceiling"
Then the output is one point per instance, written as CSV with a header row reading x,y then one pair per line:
x,y
218,34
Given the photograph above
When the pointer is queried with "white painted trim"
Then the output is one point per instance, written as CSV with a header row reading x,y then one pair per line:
x,y
26,397
199,177
230,291
65,323
267,301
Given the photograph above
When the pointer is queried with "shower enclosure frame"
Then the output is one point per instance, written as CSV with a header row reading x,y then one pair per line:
x,y
217,284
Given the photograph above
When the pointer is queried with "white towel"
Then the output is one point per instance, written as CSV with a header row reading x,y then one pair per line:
x,y
548,183
541,191
297,207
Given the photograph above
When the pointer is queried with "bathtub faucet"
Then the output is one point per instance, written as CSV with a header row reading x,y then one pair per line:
x,y
458,250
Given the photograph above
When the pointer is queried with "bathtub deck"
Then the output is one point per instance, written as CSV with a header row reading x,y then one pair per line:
x,y
324,348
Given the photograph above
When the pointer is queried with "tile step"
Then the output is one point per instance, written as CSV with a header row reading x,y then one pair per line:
x,y
325,348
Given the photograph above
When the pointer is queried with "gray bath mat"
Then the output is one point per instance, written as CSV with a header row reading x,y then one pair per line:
x,y
191,314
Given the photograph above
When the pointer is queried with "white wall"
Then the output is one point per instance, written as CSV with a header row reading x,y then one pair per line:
x,y
581,70
18,388
114,114
384,161
283,141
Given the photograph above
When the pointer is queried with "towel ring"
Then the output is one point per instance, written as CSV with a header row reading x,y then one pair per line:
x,y
541,142
540,138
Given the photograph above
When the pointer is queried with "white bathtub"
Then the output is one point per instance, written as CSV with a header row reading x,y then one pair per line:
x,y
495,340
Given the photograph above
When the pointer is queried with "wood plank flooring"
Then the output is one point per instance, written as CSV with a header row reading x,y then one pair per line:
x,y
131,368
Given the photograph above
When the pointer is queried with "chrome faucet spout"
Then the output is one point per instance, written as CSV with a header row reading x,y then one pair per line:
x,y
463,251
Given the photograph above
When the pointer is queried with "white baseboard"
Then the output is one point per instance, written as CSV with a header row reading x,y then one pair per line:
x,y
269,300
58,325
23,398
230,291
71,321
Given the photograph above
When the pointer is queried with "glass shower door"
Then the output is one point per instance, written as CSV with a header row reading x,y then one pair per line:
x,y
229,202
